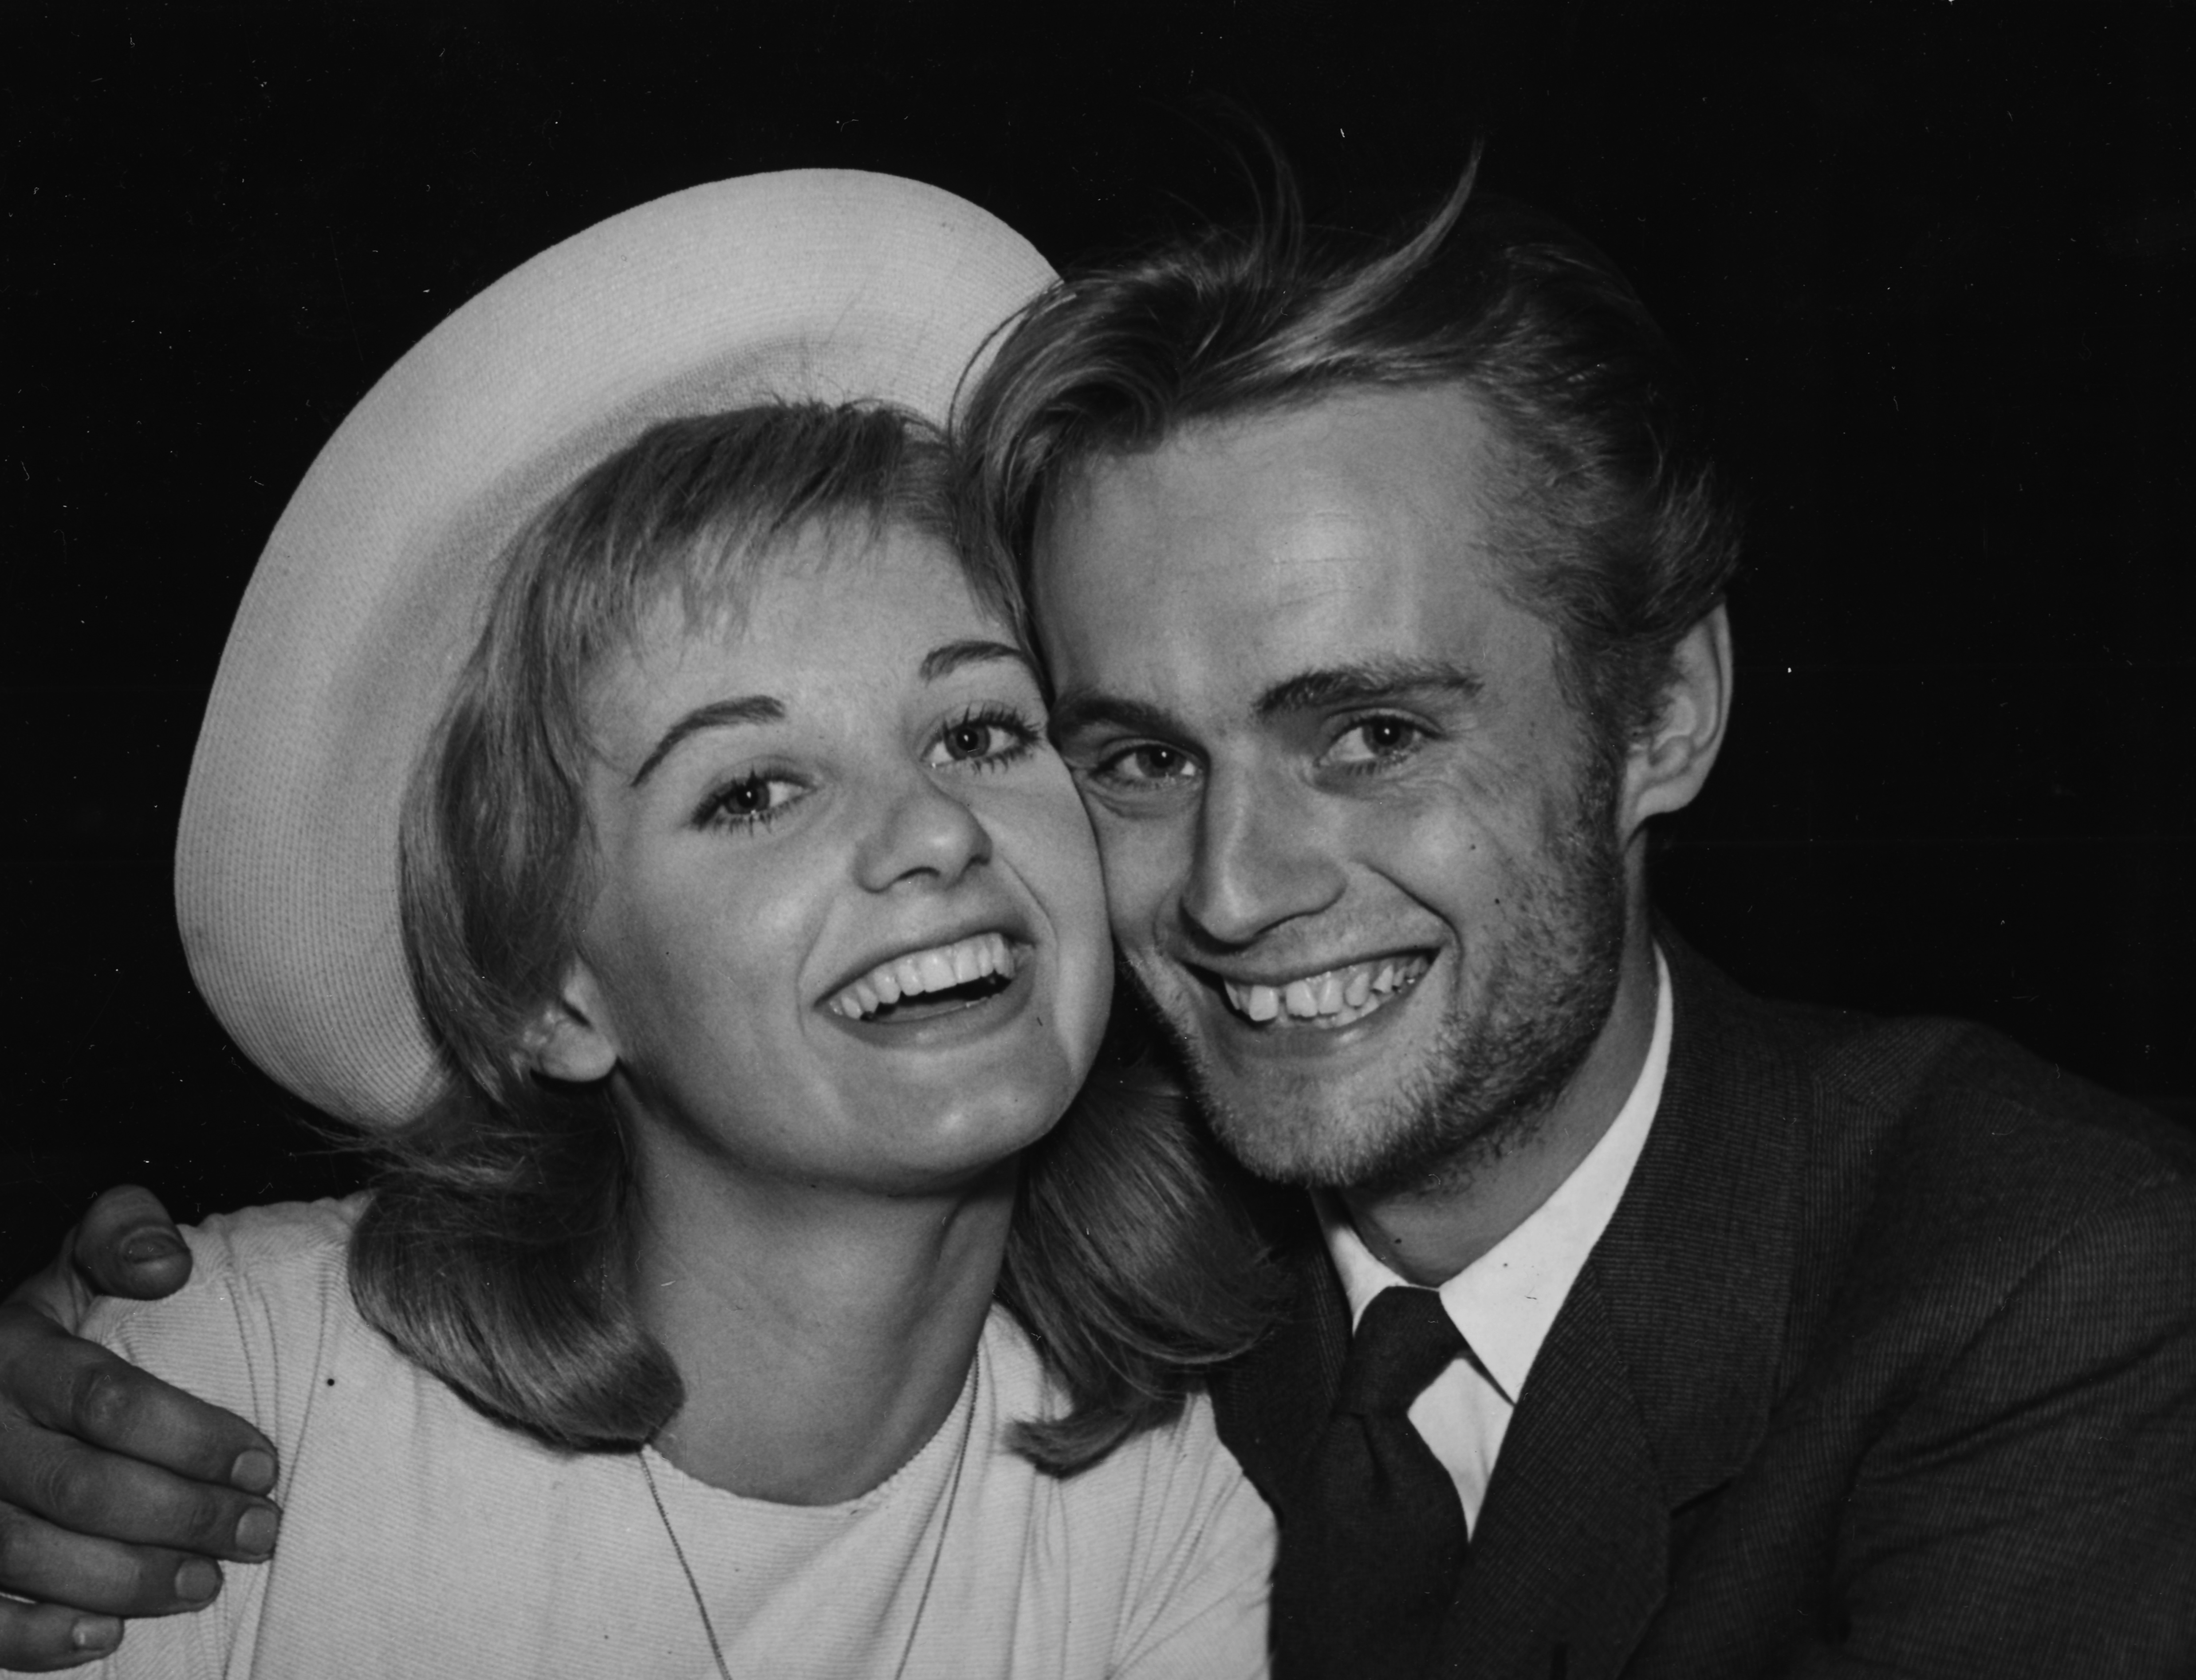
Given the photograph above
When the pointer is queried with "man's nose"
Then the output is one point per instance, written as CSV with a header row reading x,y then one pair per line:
x,y
918,829
1263,857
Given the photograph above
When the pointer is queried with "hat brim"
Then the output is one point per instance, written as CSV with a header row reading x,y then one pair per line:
x,y
822,283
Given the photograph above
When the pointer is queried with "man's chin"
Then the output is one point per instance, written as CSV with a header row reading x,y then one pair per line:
x,y
1413,1143
1302,1105
1309,1150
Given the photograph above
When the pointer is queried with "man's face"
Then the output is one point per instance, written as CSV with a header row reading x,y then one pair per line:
x,y
1358,854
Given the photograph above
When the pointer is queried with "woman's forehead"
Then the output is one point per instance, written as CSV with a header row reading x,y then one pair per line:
x,y
807,580
825,608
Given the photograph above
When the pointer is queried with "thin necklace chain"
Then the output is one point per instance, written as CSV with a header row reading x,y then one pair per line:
x,y
685,1568
930,1579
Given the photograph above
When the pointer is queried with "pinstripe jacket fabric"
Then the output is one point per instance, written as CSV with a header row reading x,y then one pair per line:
x,y
1886,1364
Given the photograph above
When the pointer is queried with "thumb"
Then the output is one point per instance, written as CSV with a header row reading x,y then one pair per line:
x,y
126,1244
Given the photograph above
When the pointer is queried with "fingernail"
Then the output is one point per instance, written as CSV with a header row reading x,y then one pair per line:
x,y
197,1581
254,1531
140,1247
94,1634
253,1470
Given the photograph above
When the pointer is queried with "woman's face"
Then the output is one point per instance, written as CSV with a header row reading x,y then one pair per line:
x,y
848,924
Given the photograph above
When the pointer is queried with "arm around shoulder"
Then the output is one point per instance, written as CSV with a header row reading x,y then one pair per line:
x,y
116,1489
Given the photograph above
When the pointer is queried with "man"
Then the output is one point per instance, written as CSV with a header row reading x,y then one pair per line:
x,y
1638,1327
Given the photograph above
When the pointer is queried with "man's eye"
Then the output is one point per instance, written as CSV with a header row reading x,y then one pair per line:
x,y
1148,765
1375,741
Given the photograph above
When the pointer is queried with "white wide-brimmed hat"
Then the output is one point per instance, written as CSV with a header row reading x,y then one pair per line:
x,y
822,283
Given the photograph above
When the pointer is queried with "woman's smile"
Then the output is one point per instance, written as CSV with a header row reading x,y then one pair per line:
x,y
954,974
828,824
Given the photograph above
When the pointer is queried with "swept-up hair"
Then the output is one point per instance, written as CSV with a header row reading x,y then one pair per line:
x,y
1607,517
496,1249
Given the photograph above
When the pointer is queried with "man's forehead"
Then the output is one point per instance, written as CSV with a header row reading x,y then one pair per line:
x,y
1349,531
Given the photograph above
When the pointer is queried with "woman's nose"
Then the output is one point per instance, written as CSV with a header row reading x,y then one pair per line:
x,y
919,829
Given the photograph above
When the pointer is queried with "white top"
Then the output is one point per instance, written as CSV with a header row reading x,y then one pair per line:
x,y
1505,1302
421,1539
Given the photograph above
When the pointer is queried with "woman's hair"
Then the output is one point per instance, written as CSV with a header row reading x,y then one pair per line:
x,y
495,1251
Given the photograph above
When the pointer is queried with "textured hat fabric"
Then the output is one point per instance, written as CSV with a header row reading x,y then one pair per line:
x,y
810,284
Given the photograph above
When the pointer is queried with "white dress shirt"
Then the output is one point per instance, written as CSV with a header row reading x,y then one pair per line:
x,y
1505,1302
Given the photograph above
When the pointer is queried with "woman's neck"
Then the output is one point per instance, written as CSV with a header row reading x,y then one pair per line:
x,y
822,1335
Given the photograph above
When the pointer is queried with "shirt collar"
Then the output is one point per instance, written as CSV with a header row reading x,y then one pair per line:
x,y
1505,1302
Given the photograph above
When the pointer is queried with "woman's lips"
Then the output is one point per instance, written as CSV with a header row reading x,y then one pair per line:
x,y
935,969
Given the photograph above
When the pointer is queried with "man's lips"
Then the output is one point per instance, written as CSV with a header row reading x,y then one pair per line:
x,y
1326,999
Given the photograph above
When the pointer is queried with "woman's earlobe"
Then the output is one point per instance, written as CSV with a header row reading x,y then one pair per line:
x,y
567,1040
1670,765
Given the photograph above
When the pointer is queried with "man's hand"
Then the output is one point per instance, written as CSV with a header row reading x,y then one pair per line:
x,y
116,1490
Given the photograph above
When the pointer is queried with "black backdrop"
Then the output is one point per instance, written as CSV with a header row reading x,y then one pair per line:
x,y
1934,261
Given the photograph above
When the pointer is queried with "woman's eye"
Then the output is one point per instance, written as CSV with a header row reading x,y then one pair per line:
x,y
984,742
752,801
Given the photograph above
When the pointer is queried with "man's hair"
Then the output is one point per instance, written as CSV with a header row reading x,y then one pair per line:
x,y
1607,520
495,1250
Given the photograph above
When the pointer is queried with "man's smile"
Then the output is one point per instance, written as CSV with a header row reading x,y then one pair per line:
x,y
1326,999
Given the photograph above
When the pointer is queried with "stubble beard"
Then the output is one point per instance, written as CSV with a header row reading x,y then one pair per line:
x,y
1500,1060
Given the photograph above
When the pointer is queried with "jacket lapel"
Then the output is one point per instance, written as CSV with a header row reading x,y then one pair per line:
x,y
1655,1381
1571,1548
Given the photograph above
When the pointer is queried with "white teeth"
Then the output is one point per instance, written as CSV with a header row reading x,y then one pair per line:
x,y
919,972
1260,1003
1334,997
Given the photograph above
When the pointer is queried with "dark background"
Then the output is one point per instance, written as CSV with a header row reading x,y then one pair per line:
x,y
1934,261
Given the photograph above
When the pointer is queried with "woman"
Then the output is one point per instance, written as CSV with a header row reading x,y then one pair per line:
x,y
726,1307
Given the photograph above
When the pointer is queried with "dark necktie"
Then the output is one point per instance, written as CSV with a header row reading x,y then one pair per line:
x,y
1369,1560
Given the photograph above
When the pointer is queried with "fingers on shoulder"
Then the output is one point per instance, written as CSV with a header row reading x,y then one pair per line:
x,y
126,1245
106,1401
46,1564
44,1638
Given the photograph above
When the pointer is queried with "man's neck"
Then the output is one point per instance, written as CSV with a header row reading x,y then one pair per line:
x,y
1427,1235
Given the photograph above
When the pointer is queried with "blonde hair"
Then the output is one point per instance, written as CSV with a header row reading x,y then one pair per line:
x,y
495,1250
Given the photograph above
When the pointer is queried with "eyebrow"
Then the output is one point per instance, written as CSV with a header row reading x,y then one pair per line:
x,y
1354,685
1370,681
760,709
944,661
1074,712
752,708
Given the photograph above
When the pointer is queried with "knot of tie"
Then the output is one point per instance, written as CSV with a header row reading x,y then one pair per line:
x,y
1405,1339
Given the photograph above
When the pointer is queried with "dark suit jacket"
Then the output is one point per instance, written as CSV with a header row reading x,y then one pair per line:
x,y
1885,1364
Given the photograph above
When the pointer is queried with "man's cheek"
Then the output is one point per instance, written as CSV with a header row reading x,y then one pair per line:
x,y
1140,882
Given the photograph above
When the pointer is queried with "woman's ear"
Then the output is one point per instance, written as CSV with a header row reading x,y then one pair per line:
x,y
569,1039
1670,764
